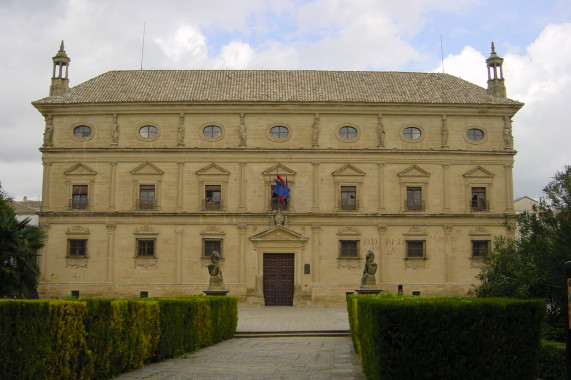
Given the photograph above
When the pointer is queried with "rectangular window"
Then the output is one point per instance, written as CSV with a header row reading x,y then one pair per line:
x,y
349,248
414,198
79,198
211,245
479,202
276,203
145,247
213,197
480,248
147,197
415,249
77,247
348,197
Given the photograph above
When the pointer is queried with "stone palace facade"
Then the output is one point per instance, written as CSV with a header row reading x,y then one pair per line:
x,y
147,172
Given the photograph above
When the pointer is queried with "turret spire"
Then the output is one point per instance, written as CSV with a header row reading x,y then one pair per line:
x,y
496,85
60,81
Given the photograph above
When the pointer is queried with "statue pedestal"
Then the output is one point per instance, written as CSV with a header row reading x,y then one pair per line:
x,y
216,287
215,292
368,291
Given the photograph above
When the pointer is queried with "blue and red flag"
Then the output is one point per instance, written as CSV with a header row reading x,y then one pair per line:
x,y
281,189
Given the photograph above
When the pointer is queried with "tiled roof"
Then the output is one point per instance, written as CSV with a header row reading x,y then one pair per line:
x,y
27,207
276,86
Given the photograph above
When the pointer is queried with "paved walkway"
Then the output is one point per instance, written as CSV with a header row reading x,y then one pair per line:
x,y
298,357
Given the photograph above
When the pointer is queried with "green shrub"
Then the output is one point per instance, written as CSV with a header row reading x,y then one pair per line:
x,y
98,338
552,360
447,338
25,342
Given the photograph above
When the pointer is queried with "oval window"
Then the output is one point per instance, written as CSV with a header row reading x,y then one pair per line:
x,y
348,132
411,133
279,132
212,131
148,131
475,134
82,131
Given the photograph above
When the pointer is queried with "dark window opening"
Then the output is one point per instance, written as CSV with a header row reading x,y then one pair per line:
x,y
349,248
146,197
414,198
479,202
79,199
415,249
213,200
145,247
211,245
77,247
348,197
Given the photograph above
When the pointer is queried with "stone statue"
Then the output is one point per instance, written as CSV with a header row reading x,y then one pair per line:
x,y
243,131
214,267
368,280
315,131
49,132
216,287
381,132
115,131
508,138
180,134
444,132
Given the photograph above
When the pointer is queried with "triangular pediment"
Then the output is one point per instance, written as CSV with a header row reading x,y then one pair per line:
x,y
80,169
147,168
414,171
213,169
348,170
478,172
279,169
278,233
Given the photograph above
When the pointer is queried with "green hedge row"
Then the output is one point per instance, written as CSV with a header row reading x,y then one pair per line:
x,y
552,360
101,338
406,337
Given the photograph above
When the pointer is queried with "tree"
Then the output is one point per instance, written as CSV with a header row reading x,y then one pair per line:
x,y
531,265
18,244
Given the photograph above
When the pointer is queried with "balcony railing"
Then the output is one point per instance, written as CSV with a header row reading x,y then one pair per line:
x,y
414,206
353,205
212,205
78,204
481,206
146,204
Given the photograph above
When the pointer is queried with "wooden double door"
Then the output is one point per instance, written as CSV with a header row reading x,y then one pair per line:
x,y
278,279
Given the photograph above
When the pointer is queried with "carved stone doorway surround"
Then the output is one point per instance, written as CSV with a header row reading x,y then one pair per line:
x,y
279,239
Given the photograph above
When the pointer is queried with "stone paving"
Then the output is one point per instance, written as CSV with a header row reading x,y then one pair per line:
x,y
297,357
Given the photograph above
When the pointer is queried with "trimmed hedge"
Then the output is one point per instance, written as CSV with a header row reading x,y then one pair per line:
x,y
100,338
552,360
406,337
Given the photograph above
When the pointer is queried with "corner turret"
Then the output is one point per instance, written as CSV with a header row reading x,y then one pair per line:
x,y
496,85
60,81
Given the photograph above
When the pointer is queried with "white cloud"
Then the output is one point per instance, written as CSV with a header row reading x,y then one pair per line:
x,y
235,55
188,44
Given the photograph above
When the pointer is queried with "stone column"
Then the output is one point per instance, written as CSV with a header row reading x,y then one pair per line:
x,y
380,192
315,252
111,253
242,229
46,187
447,255
179,191
509,189
112,185
445,187
381,257
242,205
179,262
315,205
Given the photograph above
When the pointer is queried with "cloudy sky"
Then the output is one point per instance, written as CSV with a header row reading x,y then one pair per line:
x,y
101,35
